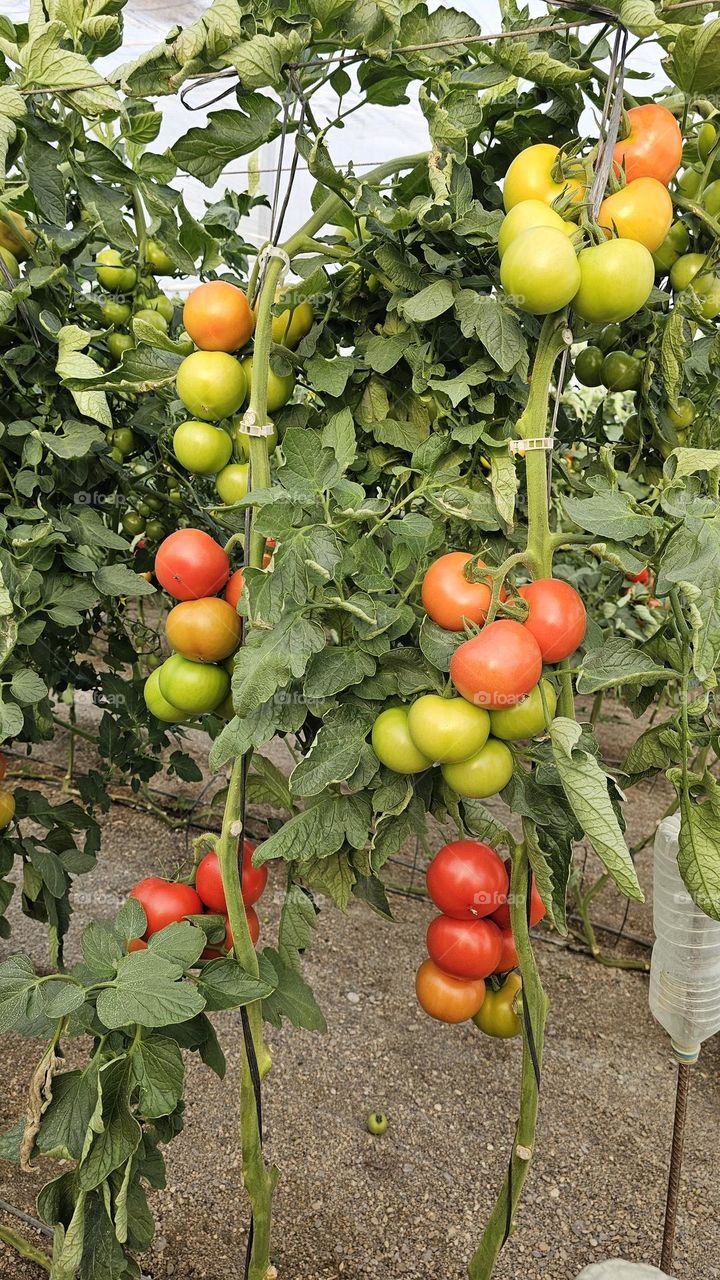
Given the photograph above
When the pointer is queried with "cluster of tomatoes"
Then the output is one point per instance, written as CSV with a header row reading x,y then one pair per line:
x,y
213,384
203,630
604,363
7,800
497,673
15,244
471,941
150,305
546,263
168,902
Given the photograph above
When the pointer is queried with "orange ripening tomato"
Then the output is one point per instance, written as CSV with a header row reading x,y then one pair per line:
x,y
448,597
206,630
653,147
642,211
446,998
498,667
217,317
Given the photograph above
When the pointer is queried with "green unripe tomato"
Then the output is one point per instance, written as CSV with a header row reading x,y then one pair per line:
x,y
688,182
393,745
143,508
211,385
117,343
232,482
631,429
155,530
540,270
153,318
621,372
610,338
202,448
706,139
133,523
676,242
159,262
112,272
280,389
693,270
484,774
588,367
682,414
116,313
124,440
710,199
116,455
194,687
447,730
377,1123
528,214
525,719
159,706
497,1015
11,262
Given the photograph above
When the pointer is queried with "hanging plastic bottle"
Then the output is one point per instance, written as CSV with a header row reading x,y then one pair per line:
x,y
685,967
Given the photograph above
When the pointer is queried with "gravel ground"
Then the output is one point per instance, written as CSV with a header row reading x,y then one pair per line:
x,y
412,1203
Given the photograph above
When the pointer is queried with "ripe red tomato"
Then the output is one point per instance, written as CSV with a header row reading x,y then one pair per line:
x,y
221,950
466,880
206,630
208,881
537,907
557,617
234,588
446,998
448,597
653,147
464,948
643,576
499,666
136,944
508,952
190,565
217,317
165,902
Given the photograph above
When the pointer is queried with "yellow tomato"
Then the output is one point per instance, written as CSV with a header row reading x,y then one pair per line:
x,y
530,177
7,808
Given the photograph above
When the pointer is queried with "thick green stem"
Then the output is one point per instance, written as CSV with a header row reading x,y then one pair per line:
x,y
334,204
259,458
259,1180
536,1004
532,425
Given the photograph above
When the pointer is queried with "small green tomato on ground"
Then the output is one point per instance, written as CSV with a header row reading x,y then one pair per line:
x,y
377,1123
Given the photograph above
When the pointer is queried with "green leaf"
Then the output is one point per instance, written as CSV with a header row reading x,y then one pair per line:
x,y
17,981
148,991
46,65
205,152
260,61
224,984
335,669
609,514
619,662
586,789
489,320
537,66
297,924
118,580
694,64
698,857
269,659
64,1128
291,996
329,375
339,435
335,752
117,1132
673,354
430,302
320,830
159,1072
